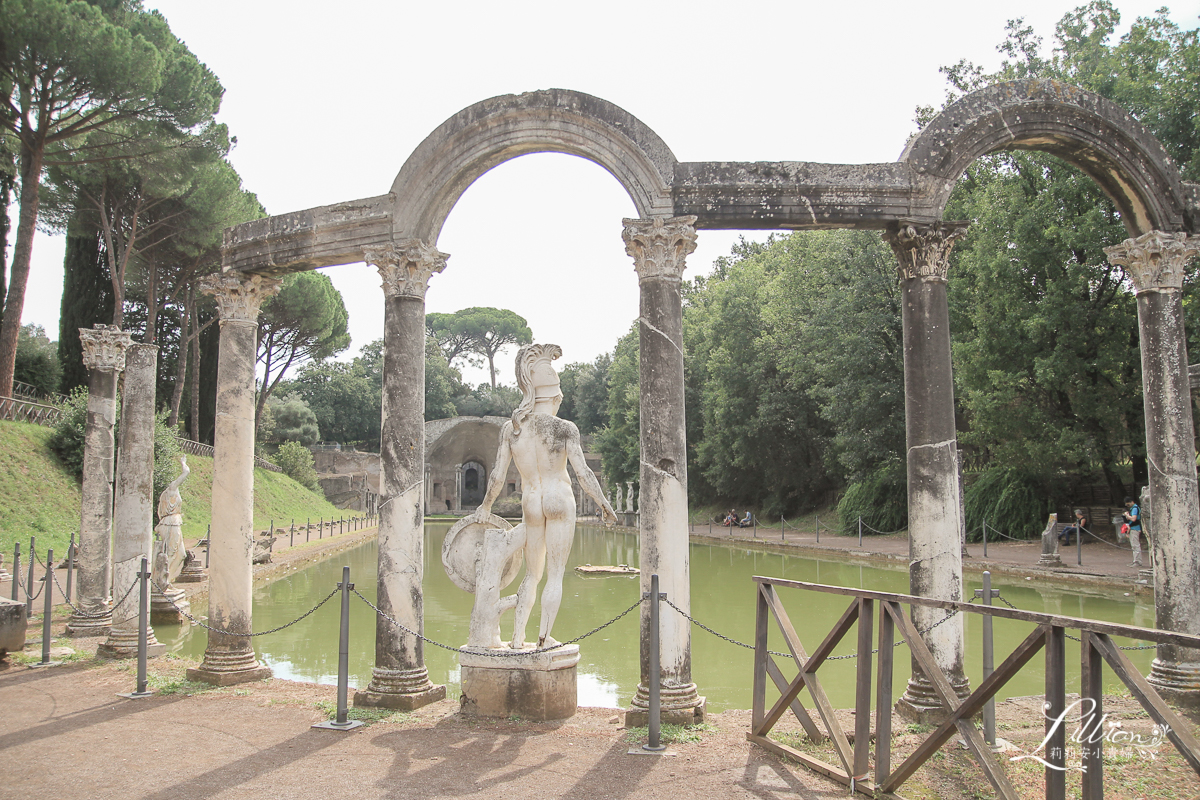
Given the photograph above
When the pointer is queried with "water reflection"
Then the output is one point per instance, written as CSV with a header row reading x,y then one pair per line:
x,y
722,598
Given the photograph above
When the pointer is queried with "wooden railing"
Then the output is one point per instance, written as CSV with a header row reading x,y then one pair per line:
x,y
1097,649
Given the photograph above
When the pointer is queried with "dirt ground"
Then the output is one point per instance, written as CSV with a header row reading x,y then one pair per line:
x,y
66,733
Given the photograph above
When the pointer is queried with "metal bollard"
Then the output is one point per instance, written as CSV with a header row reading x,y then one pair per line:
x,y
817,526
860,531
292,535
29,580
343,722
16,573
985,538
989,658
655,721
207,545
47,612
70,566
143,635
307,528
1078,543
321,528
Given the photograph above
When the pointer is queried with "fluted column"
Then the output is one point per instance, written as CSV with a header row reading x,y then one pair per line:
x,y
934,511
1155,263
133,509
230,659
399,679
104,356
659,248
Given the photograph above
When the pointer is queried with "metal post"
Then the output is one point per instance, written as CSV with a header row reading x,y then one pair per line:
x,y
70,566
989,662
143,634
321,528
1078,543
860,531
292,534
817,526
29,580
343,722
47,610
985,538
207,545
307,528
16,573
654,745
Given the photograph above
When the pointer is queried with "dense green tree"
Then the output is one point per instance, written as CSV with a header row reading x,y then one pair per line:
x,y
37,360
306,321
345,400
443,383
585,393
72,69
296,461
481,331
293,420
486,400
87,297
619,442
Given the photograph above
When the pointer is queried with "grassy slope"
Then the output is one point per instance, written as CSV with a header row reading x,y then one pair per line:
x,y
39,497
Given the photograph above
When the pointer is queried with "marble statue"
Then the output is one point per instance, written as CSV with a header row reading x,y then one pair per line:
x,y
169,552
540,445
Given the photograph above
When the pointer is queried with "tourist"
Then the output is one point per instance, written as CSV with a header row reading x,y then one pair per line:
x,y
747,521
1133,518
731,518
1077,528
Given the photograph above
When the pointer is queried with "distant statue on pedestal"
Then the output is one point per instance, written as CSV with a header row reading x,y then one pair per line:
x,y
169,552
480,554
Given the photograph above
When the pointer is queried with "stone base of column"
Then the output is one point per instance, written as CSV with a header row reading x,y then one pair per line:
x,y
1050,560
539,687
1178,682
920,704
401,689
166,608
222,667
95,621
123,643
679,705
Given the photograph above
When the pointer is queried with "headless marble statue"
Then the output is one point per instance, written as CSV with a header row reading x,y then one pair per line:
x,y
540,445
169,552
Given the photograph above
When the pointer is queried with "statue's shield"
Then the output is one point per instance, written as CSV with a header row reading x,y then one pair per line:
x,y
463,546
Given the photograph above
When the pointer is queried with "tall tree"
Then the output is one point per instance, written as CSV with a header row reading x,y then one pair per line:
x,y
305,322
483,331
86,298
72,68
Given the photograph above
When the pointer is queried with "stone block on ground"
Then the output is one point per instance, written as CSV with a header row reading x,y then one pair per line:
x,y
537,686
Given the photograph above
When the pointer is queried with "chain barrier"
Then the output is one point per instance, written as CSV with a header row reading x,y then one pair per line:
x,y
81,613
1102,541
24,588
223,632
1077,639
1005,535
511,653
881,533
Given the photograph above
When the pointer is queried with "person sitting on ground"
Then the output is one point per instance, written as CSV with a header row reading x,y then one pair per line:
x,y
747,520
1080,524
730,518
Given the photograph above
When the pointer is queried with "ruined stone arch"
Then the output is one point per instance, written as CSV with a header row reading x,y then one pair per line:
x,y
1086,130
493,131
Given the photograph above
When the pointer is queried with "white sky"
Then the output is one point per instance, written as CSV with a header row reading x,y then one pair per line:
x,y
327,102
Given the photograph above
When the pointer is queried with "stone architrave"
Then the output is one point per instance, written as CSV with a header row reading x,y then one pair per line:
x,y
659,248
133,508
104,355
399,678
1155,263
934,522
229,658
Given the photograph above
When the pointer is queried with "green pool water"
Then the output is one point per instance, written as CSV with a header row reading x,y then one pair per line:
x,y
722,598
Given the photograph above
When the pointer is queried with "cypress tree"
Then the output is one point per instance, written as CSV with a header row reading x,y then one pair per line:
x,y
87,298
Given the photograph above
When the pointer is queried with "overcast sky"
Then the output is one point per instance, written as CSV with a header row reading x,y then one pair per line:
x,y
327,101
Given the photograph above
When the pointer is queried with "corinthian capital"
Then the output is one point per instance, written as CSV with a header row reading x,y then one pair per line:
x,y
924,249
1154,261
406,266
659,246
104,347
239,296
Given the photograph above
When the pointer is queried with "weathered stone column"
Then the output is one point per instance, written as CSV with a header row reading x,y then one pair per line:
x,y
133,511
659,248
230,659
934,521
399,679
458,487
104,356
1155,263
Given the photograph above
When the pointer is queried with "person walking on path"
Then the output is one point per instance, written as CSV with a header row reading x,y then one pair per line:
x,y
1133,519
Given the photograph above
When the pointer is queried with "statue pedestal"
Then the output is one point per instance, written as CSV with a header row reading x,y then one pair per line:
x,y
167,607
193,570
536,686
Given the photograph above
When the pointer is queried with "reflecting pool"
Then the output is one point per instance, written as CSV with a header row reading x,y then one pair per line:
x,y
722,598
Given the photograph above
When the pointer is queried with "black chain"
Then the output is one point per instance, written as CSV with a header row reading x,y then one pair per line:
x,y
1077,639
488,654
244,635
21,584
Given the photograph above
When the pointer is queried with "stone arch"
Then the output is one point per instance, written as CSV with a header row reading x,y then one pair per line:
x,y
491,132
1092,133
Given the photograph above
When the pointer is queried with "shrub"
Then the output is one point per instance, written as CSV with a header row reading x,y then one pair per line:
x,y
881,500
294,421
297,463
1013,501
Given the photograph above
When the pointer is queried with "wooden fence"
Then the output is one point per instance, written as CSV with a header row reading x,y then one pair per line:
x,y
1097,649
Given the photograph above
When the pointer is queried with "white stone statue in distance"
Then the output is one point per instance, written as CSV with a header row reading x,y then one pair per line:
x,y
169,552
541,445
